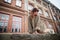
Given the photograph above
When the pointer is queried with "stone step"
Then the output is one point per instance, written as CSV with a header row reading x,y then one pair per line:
x,y
29,37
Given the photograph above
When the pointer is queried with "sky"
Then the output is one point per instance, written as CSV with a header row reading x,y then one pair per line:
x,y
56,3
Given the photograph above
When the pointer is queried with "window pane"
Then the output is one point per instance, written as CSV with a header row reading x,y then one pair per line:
x,y
16,19
1,24
46,14
54,17
9,1
6,23
5,0
26,4
30,7
49,25
0,29
5,30
3,16
16,25
40,11
18,3
12,29
16,30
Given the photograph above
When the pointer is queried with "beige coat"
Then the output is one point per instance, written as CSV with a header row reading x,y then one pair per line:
x,y
34,24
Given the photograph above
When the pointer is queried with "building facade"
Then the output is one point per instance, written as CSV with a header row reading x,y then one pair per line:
x,y
14,15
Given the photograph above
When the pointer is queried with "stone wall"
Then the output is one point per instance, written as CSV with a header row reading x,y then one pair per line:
x,y
29,37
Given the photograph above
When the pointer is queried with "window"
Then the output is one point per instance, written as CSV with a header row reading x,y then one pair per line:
x,y
8,1
16,30
16,24
50,26
3,22
46,14
30,7
26,4
53,9
18,3
40,11
59,19
54,17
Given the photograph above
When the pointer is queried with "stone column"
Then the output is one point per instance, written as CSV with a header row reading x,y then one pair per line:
x,y
26,23
9,24
13,2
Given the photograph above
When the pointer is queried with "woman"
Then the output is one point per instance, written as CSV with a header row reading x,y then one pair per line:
x,y
34,22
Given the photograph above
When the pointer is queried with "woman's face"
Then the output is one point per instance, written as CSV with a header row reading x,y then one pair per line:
x,y
35,13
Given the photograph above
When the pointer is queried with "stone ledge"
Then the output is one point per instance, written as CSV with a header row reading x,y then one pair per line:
x,y
29,37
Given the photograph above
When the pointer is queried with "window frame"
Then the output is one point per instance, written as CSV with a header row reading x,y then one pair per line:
x,y
5,22
20,27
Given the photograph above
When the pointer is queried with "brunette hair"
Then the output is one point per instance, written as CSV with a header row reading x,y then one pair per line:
x,y
35,10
